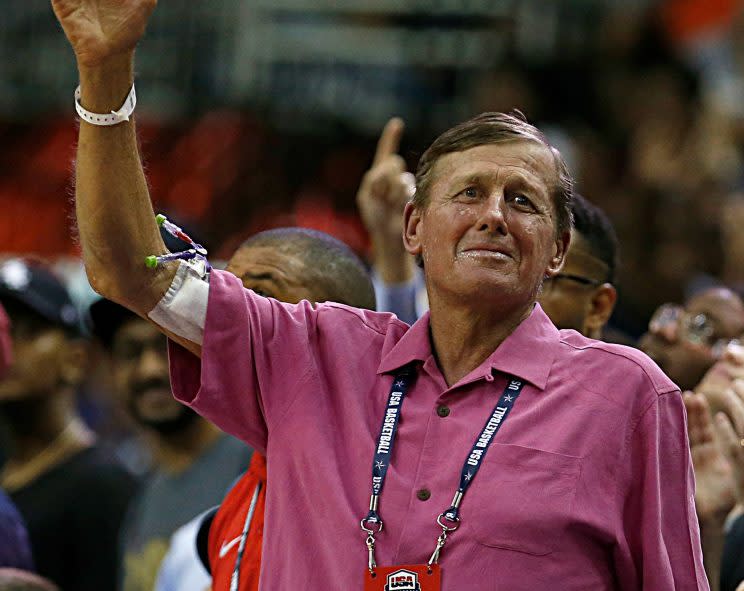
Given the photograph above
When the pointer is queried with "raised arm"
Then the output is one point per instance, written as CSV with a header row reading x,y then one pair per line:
x,y
114,214
385,189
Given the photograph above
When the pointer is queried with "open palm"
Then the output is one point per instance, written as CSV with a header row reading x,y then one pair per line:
x,y
716,489
100,29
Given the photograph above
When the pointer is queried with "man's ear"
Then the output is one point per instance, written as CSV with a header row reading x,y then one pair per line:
x,y
601,306
561,245
411,227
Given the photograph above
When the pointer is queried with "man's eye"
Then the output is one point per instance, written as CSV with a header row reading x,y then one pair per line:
x,y
469,192
522,200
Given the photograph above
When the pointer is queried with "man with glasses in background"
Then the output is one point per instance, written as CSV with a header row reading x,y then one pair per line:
x,y
687,340
582,296
693,345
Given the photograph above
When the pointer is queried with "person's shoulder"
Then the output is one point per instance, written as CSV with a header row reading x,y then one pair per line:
x,y
382,323
97,468
618,364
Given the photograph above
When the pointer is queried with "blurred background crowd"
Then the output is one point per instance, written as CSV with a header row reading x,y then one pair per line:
x,y
256,114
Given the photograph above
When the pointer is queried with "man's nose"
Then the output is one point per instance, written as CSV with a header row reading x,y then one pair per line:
x,y
667,331
492,216
152,363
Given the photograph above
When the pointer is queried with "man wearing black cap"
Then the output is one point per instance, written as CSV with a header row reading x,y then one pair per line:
x,y
71,494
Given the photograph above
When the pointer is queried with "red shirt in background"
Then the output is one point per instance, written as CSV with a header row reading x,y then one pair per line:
x,y
226,531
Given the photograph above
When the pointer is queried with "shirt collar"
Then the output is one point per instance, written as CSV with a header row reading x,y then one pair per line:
x,y
527,353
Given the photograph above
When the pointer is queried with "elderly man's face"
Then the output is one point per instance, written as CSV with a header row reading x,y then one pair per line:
x,y
488,232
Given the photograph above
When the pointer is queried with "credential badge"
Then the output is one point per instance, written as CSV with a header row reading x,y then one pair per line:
x,y
402,580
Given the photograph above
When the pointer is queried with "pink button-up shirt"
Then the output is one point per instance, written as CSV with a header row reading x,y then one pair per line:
x,y
588,484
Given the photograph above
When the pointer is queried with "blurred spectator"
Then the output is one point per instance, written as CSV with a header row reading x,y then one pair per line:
x,y
195,462
582,296
288,264
18,580
71,494
718,459
687,341
15,550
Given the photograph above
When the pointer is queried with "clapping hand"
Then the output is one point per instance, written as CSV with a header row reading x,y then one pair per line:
x,y
716,487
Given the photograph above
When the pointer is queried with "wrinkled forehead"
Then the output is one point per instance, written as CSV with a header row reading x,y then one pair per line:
x,y
530,161
255,258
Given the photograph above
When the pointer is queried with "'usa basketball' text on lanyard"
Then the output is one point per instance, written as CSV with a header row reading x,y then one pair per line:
x,y
423,577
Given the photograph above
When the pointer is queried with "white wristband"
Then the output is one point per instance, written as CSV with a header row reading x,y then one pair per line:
x,y
112,118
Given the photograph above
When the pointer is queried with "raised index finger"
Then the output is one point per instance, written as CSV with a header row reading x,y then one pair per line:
x,y
389,141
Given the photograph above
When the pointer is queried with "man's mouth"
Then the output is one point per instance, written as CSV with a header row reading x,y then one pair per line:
x,y
487,250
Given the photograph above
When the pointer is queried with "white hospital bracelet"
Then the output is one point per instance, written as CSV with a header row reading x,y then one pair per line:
x,y
112,118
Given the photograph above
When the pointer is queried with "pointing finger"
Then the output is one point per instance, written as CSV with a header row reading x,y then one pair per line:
x,y
389,141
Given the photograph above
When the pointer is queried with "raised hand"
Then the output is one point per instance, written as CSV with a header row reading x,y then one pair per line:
x,y
717,382
716,489
385,189
102,29
730,430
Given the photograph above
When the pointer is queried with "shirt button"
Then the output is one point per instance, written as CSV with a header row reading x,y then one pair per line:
x,y
489,377
443,411
423,494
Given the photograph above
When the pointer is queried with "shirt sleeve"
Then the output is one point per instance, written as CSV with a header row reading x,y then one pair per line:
x,y
251,345
398,298
659,538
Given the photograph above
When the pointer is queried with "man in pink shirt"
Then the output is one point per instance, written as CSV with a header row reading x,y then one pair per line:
x,y
576,450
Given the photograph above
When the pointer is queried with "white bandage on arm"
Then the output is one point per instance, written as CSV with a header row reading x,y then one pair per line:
x,y
183,308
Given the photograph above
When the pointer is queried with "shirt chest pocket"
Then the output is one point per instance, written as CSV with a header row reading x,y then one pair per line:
x,y
522,499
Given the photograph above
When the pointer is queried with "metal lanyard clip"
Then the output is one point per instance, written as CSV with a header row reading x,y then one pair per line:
x,y
372,519
371,564
442,539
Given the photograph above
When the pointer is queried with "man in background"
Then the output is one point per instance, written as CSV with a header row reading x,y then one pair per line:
x,y
287,264
72,495
687,340
194,462
15,551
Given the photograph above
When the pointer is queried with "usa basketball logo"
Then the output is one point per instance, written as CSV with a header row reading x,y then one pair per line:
x,y
402,580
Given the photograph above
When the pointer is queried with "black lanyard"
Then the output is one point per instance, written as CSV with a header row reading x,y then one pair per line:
x,y
384,450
